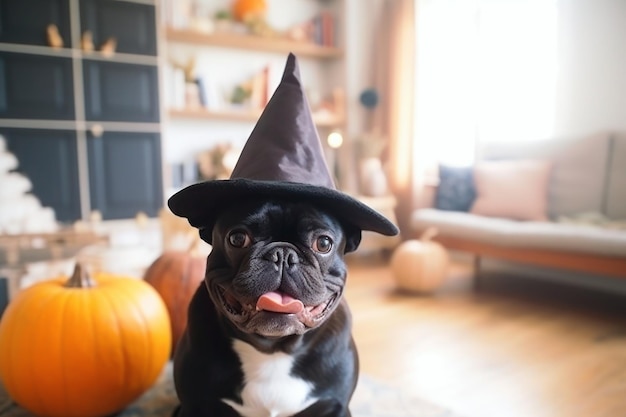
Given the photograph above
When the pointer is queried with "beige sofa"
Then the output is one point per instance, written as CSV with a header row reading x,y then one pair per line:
x,y
586,209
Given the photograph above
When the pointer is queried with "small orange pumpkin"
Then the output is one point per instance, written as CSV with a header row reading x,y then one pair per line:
x,y
83,347
244,10
176,276
420,265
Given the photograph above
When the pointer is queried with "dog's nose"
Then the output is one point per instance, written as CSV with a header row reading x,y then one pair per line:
x,y
282,256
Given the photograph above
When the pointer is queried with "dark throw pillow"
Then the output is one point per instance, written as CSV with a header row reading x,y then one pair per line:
x,y
456,190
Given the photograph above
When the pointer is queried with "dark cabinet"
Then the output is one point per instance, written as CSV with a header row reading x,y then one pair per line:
x,y
36,87
25,21
125,174
131,24
51,99
121,92
49,159
124,171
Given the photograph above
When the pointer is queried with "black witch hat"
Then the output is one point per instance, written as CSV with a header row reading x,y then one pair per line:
x,y
282,159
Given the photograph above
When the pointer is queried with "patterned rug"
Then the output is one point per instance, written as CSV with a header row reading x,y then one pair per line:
x,y
371,399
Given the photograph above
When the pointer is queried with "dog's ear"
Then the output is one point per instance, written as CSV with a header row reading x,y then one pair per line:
x,y
353,238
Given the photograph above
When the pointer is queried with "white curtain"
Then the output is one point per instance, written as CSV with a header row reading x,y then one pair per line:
x,y
485,71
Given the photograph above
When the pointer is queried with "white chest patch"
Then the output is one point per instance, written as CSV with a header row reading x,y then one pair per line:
x,y
269,390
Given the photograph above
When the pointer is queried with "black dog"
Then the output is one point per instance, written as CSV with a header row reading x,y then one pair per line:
x,y
269,333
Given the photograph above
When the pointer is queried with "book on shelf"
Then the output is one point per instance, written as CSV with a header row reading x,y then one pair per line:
x,y
210,98
183,173
328,29
174,87
176,13
321,29
259,91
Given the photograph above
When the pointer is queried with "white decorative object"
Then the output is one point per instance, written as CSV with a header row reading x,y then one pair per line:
x,y
8,161
13,185
373,177
20,212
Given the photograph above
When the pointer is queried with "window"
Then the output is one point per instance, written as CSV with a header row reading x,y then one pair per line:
x,y
486,71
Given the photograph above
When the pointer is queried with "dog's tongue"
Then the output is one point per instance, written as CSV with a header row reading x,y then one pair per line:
x,y
279,303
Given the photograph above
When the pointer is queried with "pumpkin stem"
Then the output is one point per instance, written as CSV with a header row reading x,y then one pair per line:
x,y
80,278
429,234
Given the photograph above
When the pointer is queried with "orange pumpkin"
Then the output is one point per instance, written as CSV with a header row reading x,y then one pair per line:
x,y
83,347
176,275
247,9
420,265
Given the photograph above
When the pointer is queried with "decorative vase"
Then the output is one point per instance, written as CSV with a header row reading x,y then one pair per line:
x,y
373,177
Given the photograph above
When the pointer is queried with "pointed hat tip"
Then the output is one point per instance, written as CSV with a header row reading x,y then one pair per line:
x,y
292,71
291,60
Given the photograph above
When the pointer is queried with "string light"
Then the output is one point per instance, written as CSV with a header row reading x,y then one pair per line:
x,y
335,140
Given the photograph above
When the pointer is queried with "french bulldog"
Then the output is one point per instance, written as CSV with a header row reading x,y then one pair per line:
x,y
269,331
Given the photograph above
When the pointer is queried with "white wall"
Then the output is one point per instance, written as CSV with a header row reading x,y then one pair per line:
x,y
591,82
361,31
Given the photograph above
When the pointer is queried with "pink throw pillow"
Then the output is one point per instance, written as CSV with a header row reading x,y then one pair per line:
x,y
513,189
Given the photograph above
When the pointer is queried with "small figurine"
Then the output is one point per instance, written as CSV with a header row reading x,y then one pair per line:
x,y
108,47
54,37
86,42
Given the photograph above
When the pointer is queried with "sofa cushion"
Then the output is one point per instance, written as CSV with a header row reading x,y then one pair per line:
x,y
511,233
513,189
579,180
615,202
456,191
577,183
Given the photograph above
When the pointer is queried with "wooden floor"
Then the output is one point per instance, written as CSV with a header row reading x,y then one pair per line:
x,y
516,347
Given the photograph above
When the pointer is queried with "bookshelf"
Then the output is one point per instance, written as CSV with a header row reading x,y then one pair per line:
x,y
253,43
225,58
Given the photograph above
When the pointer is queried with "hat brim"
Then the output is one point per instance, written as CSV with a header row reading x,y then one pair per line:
x,y
201,203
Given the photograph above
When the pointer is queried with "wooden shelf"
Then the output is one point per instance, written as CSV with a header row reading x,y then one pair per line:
x,y
253,43
79,53
227,115
328,121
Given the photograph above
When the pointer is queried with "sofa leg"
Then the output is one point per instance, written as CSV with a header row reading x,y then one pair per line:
x,y
477,273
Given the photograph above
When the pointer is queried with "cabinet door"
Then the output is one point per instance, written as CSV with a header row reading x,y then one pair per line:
x,y
131,24
25,21
121,92
49,159
35,87
125,174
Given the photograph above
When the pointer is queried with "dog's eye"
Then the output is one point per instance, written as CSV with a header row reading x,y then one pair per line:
x,y
239,239
323,244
